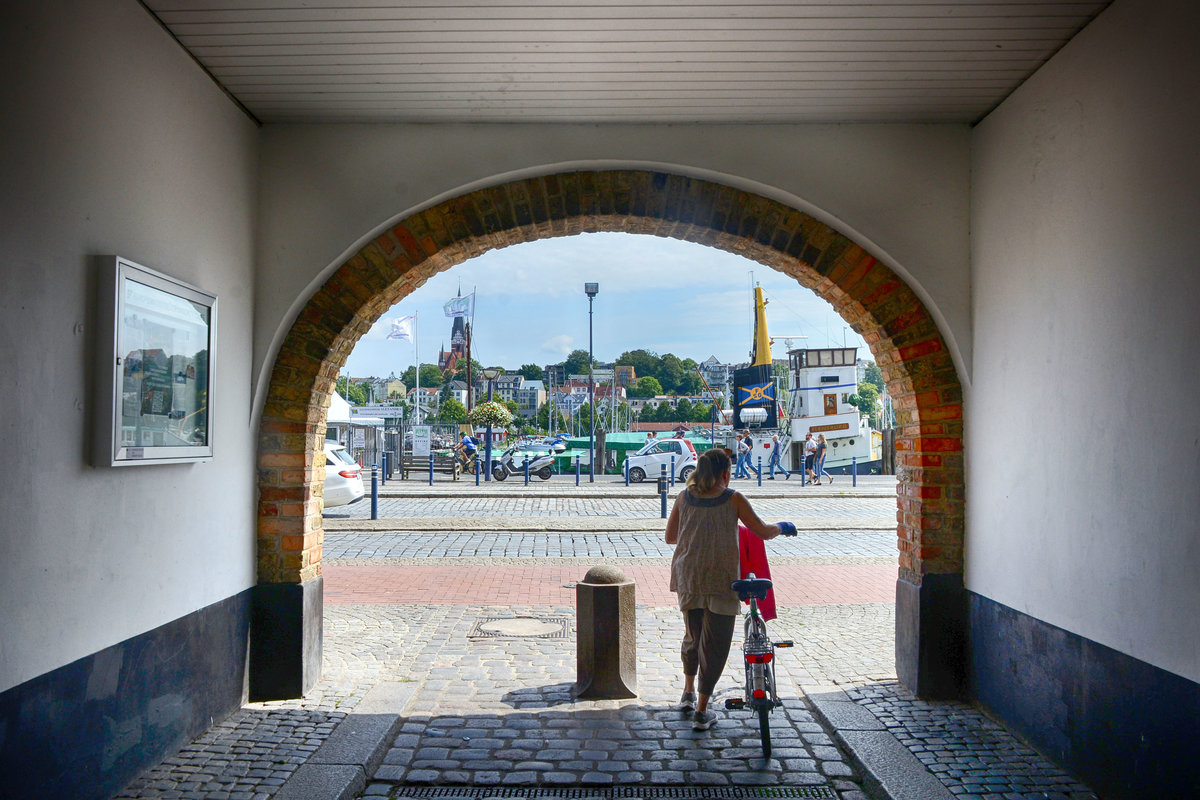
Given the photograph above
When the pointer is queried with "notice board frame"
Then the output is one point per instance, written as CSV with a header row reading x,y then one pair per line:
x,y
156,368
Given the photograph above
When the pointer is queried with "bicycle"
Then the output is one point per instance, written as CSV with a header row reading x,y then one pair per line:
x,y
759,653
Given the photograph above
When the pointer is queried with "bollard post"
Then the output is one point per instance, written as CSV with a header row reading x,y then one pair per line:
x,y
374,494
477,469
760,470
431,469
662,490
526,466
625,469
576,470
383,474
672,469
854,470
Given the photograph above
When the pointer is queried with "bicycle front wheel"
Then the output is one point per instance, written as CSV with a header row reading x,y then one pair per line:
x,y
764,730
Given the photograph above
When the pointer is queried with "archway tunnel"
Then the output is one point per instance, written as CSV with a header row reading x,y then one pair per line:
x,y
869,295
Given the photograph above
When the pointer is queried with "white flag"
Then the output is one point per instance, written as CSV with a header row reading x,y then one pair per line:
x,y
402,329
460,306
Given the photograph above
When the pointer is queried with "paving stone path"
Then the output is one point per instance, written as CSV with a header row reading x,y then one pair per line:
x,y
490,710
871,511
840,546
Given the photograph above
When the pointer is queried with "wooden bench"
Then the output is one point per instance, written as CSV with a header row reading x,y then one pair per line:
x,y
447,464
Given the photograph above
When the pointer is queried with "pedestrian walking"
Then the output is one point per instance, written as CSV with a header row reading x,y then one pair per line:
x,y
819,460
703,526
810,451
776,460
743,457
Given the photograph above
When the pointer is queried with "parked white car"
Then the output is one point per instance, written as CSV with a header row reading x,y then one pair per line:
x,y
648,462
343,477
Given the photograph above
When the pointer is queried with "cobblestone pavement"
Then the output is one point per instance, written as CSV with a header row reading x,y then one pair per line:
x,y
489,710
614,486
870,511
843,546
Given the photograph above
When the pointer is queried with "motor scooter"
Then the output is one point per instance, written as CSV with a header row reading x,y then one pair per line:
x,y
510,464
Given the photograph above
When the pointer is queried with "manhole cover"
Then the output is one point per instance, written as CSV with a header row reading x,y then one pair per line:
x,y
520,627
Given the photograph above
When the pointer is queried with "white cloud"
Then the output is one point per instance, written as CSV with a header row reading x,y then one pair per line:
x,y
560,345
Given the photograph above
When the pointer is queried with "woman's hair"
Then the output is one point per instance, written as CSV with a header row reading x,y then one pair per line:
x,y
821,437
709,468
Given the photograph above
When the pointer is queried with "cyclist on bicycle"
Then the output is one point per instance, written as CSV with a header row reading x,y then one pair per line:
x,y
703,526
467,448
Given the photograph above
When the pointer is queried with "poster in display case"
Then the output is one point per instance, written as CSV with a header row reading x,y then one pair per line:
x,y
155,383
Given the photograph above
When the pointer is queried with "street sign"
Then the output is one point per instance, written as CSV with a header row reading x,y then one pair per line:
x,y
386,412
360,438
421,440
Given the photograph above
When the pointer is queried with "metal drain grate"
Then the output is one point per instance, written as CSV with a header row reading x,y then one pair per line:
x,y
520,628
616,793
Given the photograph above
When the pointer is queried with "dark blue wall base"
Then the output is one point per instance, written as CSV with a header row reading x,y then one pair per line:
x,y
285,639
1124,727
87,729
931,636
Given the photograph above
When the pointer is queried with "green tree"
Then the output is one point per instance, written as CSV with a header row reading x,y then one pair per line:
x,y
460,371
874,375
684,410
532,372
645,387
358,392
576,363
431,377
550,418
452,411
644,362
701,412
624,416
866,399
584,418
672,372
690,383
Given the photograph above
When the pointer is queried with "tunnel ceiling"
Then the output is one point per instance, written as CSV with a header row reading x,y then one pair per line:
x,y
621,61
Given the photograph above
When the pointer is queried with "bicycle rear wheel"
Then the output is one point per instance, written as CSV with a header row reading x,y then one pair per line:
x,y
764,730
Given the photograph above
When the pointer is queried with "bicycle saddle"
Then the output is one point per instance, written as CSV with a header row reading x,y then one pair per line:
x,y
751,587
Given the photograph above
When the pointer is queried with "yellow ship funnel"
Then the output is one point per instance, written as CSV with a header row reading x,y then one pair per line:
x,y
762,342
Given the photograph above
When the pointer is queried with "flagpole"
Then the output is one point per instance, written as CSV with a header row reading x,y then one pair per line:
x,y
417,359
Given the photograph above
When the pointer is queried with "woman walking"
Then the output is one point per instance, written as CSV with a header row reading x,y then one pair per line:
x,y
703,527
819,460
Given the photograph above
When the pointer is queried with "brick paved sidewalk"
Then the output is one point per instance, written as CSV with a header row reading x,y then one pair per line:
x,y
554,585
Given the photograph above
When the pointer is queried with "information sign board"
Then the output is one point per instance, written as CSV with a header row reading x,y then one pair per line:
x,y
384,412
421,440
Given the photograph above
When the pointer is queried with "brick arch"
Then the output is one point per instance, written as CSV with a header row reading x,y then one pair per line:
x,y
877,303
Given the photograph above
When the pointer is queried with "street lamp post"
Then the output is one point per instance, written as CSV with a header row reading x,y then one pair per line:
x,y
489,374
591,289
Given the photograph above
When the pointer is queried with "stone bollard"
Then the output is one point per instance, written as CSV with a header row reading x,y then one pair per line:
x,y
606,635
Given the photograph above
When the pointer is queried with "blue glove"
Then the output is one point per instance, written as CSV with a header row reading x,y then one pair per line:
x,y
787,528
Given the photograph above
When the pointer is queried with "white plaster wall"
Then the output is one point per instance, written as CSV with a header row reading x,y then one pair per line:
x,y
113,142
1083,445
902,190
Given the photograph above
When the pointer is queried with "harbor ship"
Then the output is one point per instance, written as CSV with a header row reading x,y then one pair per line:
x,y
814,398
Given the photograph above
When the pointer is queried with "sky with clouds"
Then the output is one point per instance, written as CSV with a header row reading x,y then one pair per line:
x,y
659,294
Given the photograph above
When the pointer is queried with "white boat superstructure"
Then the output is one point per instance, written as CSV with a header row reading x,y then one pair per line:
x,y
823,380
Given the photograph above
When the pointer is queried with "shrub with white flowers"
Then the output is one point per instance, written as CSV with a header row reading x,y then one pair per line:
x,y
491,412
